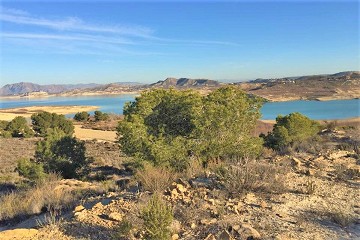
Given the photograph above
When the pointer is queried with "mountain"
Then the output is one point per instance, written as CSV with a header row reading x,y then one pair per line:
x,y
185,83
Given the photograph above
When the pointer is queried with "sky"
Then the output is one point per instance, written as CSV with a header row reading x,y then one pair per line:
x,y
54,42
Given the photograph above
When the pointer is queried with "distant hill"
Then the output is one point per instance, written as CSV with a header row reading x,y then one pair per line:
x,y
185,83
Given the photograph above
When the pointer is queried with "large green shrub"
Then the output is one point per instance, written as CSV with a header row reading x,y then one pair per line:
x,y
43,121
168,127
18,127
291,129
62,153
100,116
157,217
81,116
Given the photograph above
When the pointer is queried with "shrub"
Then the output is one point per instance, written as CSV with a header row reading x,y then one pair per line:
x,y
123,229
100,116
43,121
30,169
169,127
18,127
291,129
81,116
62,153
155,179
157,217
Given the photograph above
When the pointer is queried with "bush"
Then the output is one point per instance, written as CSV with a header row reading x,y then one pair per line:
x,y
155,179
169,127
43,121
18,127
62,153
291,129
100,116
157,217
30,169
81,116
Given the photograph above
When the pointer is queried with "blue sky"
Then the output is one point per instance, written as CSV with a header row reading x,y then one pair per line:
x,y
94,41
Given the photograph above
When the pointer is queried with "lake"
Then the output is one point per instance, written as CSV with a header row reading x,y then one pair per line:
x,y
335,109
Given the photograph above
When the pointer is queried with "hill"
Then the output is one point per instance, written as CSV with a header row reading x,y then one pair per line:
x,y
342,85
185,83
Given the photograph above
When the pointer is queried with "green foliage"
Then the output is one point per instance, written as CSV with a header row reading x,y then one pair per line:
x,y
291,129
43,121
167,127
62,153
81,116
157,217
30,169
123,230
100,116
18,127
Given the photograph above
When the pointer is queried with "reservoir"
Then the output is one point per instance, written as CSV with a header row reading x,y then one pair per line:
x,y
335,109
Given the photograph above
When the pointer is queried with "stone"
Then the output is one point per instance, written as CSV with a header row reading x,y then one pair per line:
x,y
247,231
20,233
263,204
210,237
225,235
174,193
181,188
79,208
175,236
192,225
115,216
295,162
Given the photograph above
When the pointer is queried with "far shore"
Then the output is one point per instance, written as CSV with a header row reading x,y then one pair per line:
x,y
10,113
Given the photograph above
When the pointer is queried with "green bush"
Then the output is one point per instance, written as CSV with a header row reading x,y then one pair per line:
x,y
157,217
169,127
62,153
100,116
18,127
81,116
43,121
291,129
30,169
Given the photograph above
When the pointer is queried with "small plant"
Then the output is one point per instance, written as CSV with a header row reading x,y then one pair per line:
x,y
157,217
123,229
155,179
310,187
81,116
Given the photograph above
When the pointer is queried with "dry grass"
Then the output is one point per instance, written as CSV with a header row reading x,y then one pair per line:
x,y
155,179
89,134
35,199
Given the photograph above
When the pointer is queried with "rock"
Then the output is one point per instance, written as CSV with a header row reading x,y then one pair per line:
x,y
174,193
175,236
247,231
192,225
20,233
263,204
115,216
225,235
208,221
79,208
181,188
295,162
210,237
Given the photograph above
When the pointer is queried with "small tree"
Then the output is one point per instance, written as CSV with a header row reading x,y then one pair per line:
x,y
18,127
157,217
62,153
43,121
100,116
81,116
290,129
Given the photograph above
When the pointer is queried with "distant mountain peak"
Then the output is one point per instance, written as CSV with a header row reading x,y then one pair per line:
x,y
185,82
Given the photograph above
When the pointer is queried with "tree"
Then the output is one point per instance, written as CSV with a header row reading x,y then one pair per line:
x,y
43,121
81,116
30,169
62,153
100,116
168,127
18,127
290,129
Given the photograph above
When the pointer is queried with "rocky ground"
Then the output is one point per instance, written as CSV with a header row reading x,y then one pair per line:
x,y
320,200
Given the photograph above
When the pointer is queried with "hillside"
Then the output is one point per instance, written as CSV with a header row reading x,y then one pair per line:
x,y
185,83
343,85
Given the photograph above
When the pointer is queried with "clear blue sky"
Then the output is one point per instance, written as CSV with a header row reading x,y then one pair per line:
x,y
114,41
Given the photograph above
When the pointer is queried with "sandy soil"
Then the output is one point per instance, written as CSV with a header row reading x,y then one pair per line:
x,y
11,113
89,134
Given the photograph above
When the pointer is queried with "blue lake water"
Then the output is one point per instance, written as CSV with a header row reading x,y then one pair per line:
x,y
336,109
